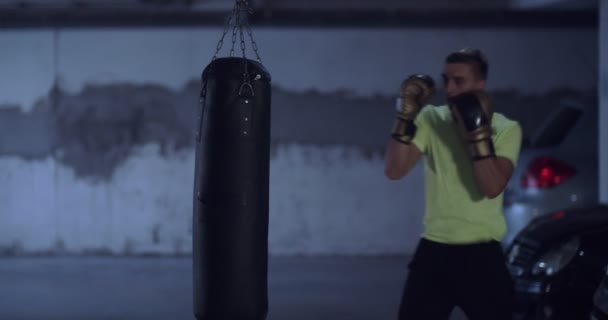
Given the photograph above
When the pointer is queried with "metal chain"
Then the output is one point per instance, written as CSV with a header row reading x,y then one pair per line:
x,y
226,26
243,47
234,28
238,19
242,40
238,25
254,45
246,80
239,15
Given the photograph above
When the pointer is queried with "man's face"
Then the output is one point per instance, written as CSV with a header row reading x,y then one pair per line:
x,y
459,78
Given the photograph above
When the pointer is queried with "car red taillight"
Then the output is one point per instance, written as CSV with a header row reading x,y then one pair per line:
x,y
546,172
558,215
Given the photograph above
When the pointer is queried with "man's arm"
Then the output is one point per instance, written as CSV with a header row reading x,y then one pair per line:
x,y
492,175
400,159
473,114
401,153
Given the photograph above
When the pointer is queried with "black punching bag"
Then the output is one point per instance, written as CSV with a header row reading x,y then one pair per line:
x,y
230,226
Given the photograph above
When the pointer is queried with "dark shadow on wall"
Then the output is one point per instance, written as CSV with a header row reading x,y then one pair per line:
x,y
96,130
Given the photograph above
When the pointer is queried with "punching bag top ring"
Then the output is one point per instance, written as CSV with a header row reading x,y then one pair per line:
x,y
233,67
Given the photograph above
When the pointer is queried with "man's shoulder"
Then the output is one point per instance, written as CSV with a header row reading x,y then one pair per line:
x,y
443,113
502,122
436,113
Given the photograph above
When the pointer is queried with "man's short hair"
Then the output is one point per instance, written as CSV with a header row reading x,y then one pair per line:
x,y
472,57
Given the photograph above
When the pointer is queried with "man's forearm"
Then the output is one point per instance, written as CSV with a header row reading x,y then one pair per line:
x,y
492,175
399,159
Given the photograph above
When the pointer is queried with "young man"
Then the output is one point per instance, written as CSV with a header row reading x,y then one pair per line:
x,y
470,153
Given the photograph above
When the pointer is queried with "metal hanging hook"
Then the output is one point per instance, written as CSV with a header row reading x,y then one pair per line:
x,y
246,85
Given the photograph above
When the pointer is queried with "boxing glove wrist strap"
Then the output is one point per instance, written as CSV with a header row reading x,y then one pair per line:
x,y
482,149
403,130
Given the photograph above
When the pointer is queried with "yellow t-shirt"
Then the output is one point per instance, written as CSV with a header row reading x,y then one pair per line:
x,y
456,211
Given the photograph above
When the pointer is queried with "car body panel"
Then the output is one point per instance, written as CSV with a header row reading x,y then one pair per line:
x,y
574,144
568,293
600,300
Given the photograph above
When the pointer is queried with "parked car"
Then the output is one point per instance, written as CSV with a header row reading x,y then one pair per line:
x,y
557,168
600,300
557,262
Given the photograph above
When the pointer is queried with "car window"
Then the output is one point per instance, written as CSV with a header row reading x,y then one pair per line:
x,y
556,128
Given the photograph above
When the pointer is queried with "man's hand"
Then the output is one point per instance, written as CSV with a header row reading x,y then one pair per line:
x,y
415,93
472,112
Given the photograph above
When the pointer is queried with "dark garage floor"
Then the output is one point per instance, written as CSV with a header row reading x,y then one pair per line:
x,y
152,288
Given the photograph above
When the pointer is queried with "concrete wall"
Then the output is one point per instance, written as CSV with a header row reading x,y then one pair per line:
x,y
96,130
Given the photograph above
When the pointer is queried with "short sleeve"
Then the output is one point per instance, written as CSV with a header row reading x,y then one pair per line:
x,y
423,129
507,142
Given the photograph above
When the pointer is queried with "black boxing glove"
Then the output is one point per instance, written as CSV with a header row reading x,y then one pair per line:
x,y
472,112
415,93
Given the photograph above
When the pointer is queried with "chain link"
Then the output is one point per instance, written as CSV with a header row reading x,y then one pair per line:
x,y
254,45
238,19
242,40
246,80
233,39
226,27
237,23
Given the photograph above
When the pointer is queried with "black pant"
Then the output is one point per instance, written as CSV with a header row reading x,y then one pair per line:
x,y
473,277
